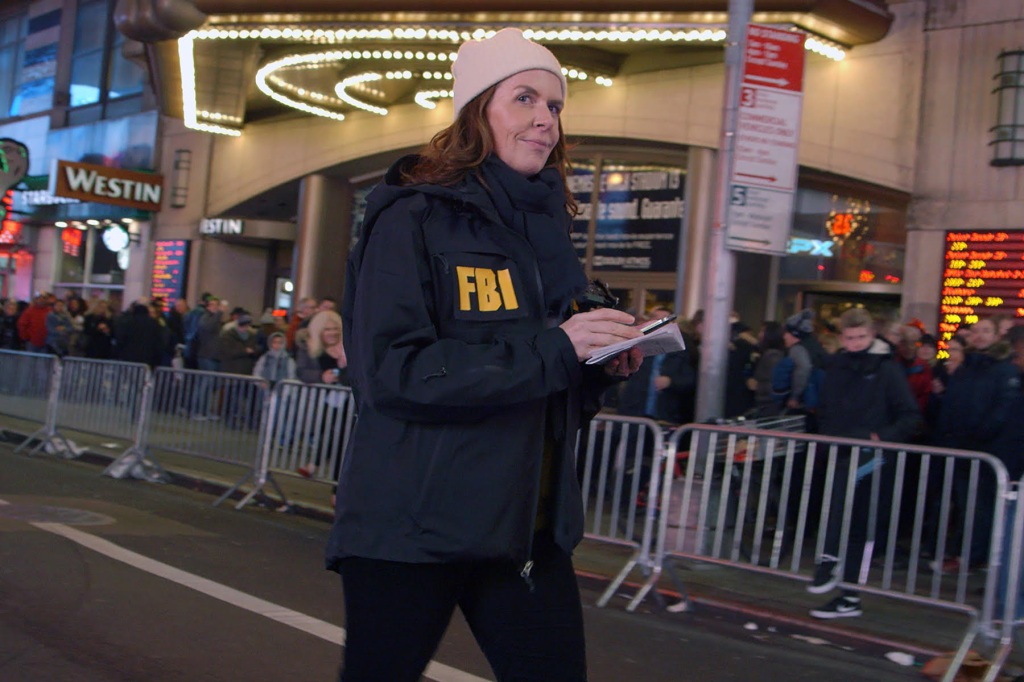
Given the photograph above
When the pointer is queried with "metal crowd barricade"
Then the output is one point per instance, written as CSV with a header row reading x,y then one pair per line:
x,y
309,426
27,385
618,458
107,398
770,513
791,423
215,416
1010,595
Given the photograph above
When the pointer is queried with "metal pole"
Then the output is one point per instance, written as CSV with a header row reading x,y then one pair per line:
x,y
714,353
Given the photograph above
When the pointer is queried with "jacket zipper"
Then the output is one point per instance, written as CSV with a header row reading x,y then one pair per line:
x,y
527,568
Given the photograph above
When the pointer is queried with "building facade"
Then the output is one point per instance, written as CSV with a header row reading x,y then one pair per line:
x,y
269,127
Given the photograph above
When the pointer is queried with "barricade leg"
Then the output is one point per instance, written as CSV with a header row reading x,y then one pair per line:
x,y
135,464
1010,599
256,406
47,436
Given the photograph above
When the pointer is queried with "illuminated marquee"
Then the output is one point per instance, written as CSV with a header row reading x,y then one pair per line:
x,y
983,275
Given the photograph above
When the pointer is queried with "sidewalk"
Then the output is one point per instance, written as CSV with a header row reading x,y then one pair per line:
x,y
765,600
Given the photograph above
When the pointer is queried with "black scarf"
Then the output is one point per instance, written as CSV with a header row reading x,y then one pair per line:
x,y
535,208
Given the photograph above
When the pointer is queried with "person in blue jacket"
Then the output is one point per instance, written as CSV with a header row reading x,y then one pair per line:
x,y
458,485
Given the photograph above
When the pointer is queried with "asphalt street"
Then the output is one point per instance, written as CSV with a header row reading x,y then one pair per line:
x,y
105,580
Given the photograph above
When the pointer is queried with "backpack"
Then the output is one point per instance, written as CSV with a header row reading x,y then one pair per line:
x,y
782,378
782,383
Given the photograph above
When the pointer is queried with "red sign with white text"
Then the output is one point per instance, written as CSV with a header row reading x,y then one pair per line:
x,y
774,58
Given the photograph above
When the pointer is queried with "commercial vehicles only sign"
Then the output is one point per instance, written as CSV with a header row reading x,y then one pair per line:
x,y
764,168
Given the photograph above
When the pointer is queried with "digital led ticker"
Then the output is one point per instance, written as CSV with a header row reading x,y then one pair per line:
x,y
170,267
983,276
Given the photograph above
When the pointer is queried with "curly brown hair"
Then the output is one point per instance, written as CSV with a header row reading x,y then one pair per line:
x,y
461,147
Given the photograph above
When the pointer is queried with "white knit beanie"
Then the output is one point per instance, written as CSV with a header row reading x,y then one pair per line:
x,y
482,63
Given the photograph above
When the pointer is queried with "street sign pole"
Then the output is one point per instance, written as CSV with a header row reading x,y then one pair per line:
x,y
714,348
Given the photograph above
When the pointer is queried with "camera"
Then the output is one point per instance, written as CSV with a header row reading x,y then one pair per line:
x,y
596,295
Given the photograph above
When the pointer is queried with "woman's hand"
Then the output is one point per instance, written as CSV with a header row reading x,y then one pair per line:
x,y
598,328
625,363
329,377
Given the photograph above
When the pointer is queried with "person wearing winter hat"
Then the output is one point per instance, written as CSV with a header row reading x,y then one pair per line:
x,y
807,354
801,324
458,486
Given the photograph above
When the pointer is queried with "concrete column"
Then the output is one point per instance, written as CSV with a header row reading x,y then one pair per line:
x,y
324,233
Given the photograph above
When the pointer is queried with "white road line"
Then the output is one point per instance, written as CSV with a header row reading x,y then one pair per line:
x,y
318,628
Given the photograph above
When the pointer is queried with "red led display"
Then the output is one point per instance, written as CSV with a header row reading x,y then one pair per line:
x,y
983,275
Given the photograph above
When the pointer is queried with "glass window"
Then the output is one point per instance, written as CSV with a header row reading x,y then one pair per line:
x,y
125,77
85,79
73,244
109,258
87,63
843,238
87,258
638,217
12,41
100,73
91,26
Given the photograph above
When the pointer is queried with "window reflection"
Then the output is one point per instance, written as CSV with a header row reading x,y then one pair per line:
x,y
100,72
844,238
12,41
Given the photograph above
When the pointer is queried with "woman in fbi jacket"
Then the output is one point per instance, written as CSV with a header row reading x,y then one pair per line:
x,y
458,486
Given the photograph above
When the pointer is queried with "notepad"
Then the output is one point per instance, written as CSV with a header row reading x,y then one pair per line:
x,y
668,339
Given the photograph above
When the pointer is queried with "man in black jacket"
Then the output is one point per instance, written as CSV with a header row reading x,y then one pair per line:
x,y
864,396
663,388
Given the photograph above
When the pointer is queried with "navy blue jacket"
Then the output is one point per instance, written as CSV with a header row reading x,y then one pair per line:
x,y
865,393
1008,445
976,402
459,381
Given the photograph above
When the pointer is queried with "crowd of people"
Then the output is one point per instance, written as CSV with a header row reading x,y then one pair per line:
x,y
859,377
212,336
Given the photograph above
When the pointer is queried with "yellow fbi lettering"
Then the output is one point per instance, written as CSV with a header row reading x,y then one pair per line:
x,y
493,290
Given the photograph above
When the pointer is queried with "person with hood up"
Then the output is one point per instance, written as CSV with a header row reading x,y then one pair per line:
x,y
865,396
276,364
458,487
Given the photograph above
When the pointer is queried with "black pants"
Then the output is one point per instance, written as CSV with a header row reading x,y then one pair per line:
x,y
855,563
397,613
